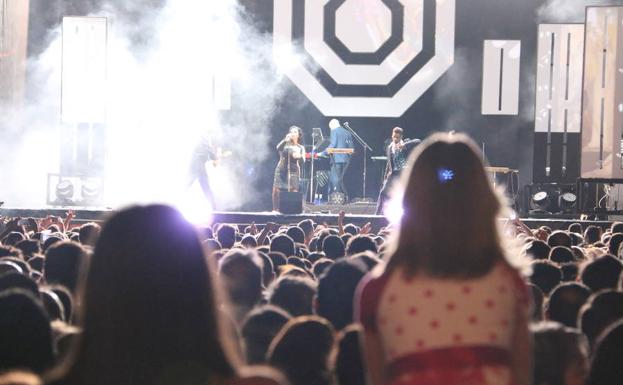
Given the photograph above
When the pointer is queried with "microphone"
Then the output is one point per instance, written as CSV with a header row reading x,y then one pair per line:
x,y
346,124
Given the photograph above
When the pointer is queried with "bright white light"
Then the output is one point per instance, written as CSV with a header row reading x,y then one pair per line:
x,y
222,185
195,207
84,69
393,210
163,93
285,58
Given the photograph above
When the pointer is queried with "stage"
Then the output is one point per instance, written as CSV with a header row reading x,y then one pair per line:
x,y
320,214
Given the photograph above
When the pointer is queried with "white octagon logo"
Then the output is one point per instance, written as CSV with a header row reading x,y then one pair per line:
x,y
368,58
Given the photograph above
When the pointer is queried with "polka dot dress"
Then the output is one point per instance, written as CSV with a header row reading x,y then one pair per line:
x,y
440,328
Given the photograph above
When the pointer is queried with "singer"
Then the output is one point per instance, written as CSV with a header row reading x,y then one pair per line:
x,y
288,170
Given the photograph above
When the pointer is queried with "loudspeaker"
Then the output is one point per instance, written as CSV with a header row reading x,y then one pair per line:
x,y
290,202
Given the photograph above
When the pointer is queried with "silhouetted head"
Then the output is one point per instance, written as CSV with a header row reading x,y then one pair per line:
x,y
336,291
63,262
606,366
25,333
88,233
302,350
241,275
602,273
294,294
559,238
560,355
226,235
561,254
359,244
283,244
259,328
448,227
29,247
546,275
565,301
150,307
592,234
333,247
349,367
599,311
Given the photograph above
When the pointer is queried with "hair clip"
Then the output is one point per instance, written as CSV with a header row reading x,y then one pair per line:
x,y
445,175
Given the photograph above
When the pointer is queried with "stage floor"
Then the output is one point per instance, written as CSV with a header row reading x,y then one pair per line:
x,y
358,214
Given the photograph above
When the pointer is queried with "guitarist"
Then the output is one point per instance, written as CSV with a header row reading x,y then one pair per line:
x,y
340,138
397,154
202,153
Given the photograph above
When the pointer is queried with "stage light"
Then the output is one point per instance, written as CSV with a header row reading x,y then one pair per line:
x,y
64,191
91,191
541,200
567,201
552,198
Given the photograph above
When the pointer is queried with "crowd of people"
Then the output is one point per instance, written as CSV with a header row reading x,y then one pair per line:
x,y
448,296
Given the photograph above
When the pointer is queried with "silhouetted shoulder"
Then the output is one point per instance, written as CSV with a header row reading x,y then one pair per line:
x,y
19,378
259,375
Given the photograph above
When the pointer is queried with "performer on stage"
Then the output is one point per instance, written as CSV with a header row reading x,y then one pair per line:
x,y
288,170
397,154
202,153
340,138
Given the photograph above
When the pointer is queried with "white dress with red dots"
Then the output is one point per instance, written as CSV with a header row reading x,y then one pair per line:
x,y
444,332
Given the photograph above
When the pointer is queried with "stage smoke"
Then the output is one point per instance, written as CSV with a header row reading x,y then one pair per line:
x,y
569,11
159,103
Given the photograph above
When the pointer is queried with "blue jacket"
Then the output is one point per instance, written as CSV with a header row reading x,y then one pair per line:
x,y
341,138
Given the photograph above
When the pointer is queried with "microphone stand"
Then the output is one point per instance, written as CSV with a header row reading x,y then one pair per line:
x,y
311,175
366,147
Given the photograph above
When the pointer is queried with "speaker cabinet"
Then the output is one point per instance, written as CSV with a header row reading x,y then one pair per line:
x,y
290,202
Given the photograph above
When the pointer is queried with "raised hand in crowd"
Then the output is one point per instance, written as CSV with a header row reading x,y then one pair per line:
x,y
340,221
366,229
269,227
46,222
69,216
253,229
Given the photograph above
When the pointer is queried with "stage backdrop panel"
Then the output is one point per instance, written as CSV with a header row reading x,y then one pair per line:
x,y
602,120
13,43
500,77
559,78
558,111
84,70
364,58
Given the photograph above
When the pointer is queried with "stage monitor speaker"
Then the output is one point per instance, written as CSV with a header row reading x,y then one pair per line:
x,y
290,202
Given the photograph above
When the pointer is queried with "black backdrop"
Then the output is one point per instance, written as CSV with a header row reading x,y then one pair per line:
x,y
453,103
